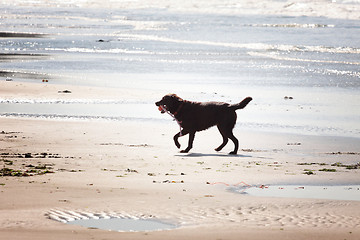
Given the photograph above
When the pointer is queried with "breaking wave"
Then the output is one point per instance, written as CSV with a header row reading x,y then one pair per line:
x,y
292,25
250,46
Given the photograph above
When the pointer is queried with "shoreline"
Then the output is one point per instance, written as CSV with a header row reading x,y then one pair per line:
x,y
45,90
76,102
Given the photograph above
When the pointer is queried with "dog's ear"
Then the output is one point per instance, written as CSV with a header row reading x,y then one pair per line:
x,y
176,97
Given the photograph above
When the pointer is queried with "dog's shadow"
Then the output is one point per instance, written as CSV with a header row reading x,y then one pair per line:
x,y
212,155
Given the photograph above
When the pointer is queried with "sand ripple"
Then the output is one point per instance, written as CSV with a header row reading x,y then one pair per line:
x,y
322,214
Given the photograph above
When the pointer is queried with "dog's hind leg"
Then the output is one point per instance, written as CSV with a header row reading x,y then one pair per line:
x,y
226,130
225,139
236,143
179,134
190,145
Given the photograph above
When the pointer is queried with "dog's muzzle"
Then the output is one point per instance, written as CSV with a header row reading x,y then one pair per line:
x,y
162,108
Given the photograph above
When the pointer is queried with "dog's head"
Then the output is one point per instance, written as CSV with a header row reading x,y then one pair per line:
x,y
170,102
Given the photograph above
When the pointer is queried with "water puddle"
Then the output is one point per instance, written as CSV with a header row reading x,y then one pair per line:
x,y
350,192
124,224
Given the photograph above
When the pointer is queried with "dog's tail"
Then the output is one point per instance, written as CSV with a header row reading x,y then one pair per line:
x,y
242,104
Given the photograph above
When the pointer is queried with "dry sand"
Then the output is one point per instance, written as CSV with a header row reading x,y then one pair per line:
x,y
134,169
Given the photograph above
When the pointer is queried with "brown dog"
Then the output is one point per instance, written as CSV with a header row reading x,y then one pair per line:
x,y
198,116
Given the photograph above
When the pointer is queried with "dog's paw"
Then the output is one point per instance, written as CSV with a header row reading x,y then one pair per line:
x,y
233,153
177,144
184,151
217,149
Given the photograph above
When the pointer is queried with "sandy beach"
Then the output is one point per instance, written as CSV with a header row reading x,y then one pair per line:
x,y
132,168
81,137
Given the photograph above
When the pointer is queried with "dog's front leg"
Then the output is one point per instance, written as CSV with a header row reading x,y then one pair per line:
x,y
190,145
176,137
179,134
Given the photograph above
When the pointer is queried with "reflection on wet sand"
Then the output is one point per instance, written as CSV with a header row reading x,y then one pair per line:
x,y
21,35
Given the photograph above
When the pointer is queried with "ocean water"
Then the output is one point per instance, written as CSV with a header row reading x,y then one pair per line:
x,y
200,55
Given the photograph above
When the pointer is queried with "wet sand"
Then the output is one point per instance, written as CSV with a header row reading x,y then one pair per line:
x,y
133,169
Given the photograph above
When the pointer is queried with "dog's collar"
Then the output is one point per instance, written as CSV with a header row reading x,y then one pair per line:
x,y
178,110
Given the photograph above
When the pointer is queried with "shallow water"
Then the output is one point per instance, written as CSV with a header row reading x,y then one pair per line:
x,y
200,56
351,192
